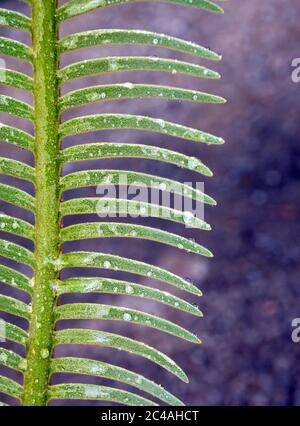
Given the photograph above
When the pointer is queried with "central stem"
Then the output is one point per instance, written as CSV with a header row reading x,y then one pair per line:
x,y
44,34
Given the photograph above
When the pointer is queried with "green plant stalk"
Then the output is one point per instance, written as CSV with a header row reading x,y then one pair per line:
x,y
47,201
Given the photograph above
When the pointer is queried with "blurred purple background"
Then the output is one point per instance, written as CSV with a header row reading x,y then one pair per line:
x,y
251,289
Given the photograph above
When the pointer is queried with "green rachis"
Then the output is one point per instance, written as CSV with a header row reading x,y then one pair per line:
x,y
45,284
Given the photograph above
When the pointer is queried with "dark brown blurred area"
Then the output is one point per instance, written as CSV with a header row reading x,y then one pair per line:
x,y
251,287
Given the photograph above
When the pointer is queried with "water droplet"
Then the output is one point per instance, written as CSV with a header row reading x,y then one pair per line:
x,y
3,357
93,392
192,163
188,217
127,317
44,353
128,289
23,364
139,380
128,85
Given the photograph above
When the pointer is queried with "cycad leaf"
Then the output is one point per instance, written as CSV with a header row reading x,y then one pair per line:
x,y
35,245
16,137
11,359
124,150
17,169
121,206
132,63
13,333
112,177
130,90
77,7
16,252
94,392
11,19
15,279
16,79
112,286
10,387
15,49
108,261
15,107
125,230
14,307
92,123
76,336
17,197
16,226
107,312
116,36
112,372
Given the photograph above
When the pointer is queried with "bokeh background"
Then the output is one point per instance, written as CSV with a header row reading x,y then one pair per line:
x,y
251,287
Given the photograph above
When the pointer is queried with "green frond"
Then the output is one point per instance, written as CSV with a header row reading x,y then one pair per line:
x,y
98,311
118,263
10,387
126,230
16,79
17,137
14,307
11,359
78,7
120,36
112,372
13,333
94,392
92,123
17,169
131,63
15,107
16,252
15,49
120,206
76,336
110,286
11,19
112,177
16,226
15,279
125,150
130,90
17,197
43,231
